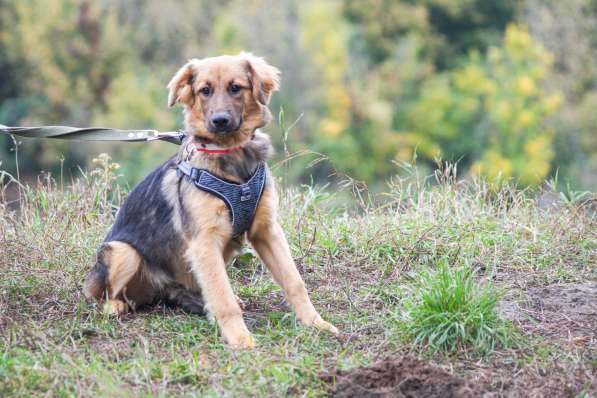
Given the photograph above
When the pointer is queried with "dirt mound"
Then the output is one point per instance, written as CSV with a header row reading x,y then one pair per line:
x,y
402,377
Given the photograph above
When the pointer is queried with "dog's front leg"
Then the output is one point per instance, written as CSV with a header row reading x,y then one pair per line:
x,y
271,245
209,269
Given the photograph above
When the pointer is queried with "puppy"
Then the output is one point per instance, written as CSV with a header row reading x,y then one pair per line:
x,y
174,236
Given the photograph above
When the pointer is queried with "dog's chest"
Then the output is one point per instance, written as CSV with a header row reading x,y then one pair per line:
x,y
194,210
208,212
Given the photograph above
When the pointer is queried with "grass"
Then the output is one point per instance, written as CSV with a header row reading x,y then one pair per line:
x,y
368,264
450,311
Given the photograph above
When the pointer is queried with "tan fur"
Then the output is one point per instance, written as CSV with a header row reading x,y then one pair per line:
x,y
128,279
205,254
207,231
115,307
124,263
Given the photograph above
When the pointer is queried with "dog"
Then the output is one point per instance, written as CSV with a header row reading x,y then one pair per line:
x,y
171,241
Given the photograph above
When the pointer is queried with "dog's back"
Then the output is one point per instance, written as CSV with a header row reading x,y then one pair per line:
x,y
145,223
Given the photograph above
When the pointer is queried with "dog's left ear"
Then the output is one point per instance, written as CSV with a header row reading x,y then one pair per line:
x,y
265,78
180,86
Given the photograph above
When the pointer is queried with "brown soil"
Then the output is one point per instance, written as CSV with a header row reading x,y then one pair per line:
x,y
559,380
562,311
402,377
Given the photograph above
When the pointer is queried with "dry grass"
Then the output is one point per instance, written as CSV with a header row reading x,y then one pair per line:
x,y
360,262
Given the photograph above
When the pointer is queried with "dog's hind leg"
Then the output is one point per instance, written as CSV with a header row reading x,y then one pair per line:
x,y
117,264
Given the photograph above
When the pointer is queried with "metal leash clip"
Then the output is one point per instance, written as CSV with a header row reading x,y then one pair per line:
x,y
175,137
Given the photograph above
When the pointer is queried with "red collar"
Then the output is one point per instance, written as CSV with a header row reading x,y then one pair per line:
x,y
208,146
218,149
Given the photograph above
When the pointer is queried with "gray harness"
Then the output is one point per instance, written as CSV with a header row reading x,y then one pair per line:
x,y
241,199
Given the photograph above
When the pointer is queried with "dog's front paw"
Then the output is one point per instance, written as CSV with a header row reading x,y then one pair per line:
x,y
115,307
241,342
320,324
236,334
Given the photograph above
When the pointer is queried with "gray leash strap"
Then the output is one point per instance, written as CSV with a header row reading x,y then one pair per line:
x,y
93,134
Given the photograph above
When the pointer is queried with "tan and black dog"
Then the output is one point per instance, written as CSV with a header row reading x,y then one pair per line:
x,y
171,241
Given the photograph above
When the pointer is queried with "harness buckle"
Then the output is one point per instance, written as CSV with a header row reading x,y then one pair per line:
x,y
179,172
245,193
194,174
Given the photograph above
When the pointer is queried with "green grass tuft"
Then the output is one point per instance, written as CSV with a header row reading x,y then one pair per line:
x,y
449,311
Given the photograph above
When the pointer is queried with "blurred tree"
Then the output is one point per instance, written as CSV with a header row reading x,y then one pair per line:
x,y
64,54
72,48
491,111
381,23
461,26
373,79
450,28
353,126
324,39
403,43
569,30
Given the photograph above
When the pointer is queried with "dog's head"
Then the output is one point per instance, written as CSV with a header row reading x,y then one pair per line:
x,y
225,98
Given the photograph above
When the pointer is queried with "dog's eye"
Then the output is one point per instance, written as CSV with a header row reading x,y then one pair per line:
x,y
205,91
235,88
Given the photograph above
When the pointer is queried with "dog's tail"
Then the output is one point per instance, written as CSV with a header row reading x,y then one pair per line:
x,y
95,284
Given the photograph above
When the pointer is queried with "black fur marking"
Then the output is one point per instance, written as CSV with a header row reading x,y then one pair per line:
x,y
184,214
145,221
95,284
178,296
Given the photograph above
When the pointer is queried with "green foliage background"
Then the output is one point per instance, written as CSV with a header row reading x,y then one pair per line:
x,y
506,88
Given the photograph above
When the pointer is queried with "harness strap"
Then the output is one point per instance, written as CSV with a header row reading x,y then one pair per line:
x,y
241,199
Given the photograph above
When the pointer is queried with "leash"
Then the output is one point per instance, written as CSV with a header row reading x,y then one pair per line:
x,y
94,134
108,134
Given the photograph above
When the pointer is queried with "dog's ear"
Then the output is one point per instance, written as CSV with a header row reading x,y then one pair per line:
x,y
265,78
181,85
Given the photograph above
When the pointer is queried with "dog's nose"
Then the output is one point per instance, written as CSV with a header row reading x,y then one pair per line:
x,y
221,121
